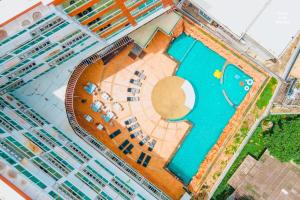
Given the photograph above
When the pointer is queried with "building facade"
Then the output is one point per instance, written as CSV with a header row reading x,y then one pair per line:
x,y
47,36
45,163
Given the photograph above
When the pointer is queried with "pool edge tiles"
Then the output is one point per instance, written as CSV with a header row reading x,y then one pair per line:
x,y
212,111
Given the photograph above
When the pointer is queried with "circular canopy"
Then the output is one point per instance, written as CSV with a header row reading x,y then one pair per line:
x,y
173,97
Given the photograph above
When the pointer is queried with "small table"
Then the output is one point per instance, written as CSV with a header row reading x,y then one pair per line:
x,y
100,127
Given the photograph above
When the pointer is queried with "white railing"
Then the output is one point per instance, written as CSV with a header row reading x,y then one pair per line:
x,y
115,46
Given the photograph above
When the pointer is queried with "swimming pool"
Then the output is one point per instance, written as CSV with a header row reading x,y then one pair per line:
x,y
216,101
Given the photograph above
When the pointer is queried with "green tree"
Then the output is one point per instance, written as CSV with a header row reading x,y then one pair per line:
x,y
283,140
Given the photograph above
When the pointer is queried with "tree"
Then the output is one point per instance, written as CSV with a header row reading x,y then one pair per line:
x,y
283,140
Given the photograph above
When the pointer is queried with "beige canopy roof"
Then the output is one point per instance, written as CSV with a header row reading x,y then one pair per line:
x,y
164,23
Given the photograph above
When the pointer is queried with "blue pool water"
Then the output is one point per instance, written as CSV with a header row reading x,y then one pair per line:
x,y
212,110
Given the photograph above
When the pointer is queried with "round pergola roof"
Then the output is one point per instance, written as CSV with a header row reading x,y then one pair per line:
x,y
173,97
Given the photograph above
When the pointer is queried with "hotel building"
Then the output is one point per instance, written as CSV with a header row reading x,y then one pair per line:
x,y
42,37
42,157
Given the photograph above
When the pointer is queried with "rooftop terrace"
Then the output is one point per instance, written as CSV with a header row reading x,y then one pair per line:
x,y
114,79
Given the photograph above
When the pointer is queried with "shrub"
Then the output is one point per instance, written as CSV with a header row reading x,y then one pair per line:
x,y
267,94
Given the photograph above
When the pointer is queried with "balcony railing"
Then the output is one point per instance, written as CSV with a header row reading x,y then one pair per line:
x,y
96,9
75,5
143,7
105,19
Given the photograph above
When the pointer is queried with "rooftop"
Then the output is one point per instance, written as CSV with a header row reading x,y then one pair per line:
x,y
280,22
10,9
47,94
114,79
259,19
9,191
226,12
267,179
165,23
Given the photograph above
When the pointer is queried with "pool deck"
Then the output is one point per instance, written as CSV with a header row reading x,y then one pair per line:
x,y
114,77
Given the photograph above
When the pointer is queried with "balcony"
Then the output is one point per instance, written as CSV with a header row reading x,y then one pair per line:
x,y
105,18
144,7
71,5
95,9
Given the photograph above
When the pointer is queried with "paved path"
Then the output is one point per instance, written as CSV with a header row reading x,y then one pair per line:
x,y
291,62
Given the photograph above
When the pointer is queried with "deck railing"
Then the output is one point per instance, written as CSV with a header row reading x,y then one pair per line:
x,y
96,144
114,46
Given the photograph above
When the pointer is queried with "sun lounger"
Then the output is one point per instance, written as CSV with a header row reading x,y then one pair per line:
x,y
151,145
128,149
140,74
123,145
133,98
130,121
133,127
135,134
133,90
114,134
143,141
141,158
146,162
135,82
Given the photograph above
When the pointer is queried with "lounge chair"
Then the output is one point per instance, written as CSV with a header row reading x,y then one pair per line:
x,y
114,134
123,145
130,121
133,90
140,74
133,98
128,149
141,158
143,141
151,145
135,82
135,134
133,127
146,162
